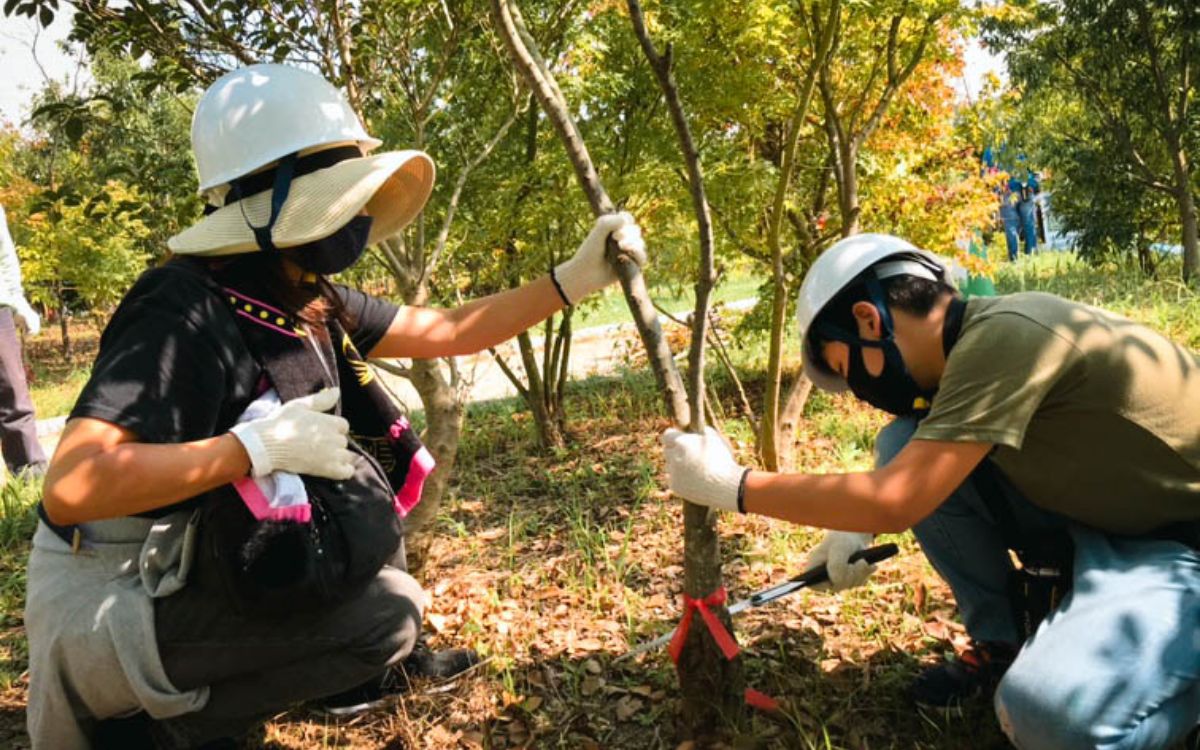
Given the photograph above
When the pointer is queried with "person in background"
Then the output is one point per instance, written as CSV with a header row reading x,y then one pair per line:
x,y
18,425
1018,210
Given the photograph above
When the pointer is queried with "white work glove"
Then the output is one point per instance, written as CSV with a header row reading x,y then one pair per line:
x,y
299,438
589,270
834,552
701,468
29,317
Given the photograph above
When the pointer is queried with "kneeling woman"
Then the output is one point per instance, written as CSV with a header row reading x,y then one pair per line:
x,y
212,547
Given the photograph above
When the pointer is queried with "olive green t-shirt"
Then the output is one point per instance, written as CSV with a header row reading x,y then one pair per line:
x,y
1094,416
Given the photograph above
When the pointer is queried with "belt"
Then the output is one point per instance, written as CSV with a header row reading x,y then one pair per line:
x,y
71,534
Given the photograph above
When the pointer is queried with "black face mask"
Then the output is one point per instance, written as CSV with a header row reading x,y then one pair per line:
x,y
893,390
335,253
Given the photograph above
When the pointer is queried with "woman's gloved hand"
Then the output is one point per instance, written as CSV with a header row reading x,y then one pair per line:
x,y
300,438
702,469
589,270
834,552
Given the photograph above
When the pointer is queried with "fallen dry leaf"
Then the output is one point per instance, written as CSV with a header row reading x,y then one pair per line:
x,y
627,707
590,685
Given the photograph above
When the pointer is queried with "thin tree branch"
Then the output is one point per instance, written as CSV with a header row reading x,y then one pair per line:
x,y
705,274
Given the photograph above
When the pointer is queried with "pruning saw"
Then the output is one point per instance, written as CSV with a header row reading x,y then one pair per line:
x,y
808,578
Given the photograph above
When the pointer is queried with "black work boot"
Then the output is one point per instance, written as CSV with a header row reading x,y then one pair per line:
x,y
976,672
422,663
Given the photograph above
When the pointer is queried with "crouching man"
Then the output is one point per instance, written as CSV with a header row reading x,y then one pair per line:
x,y
1025,422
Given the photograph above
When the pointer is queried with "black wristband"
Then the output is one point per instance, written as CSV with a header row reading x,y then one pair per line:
x,y
741,496
559,289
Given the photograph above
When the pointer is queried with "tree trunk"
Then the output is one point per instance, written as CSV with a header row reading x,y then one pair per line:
x,y
443,418
538,391
789,420
707,679
64,327
848,190
1187,213
768,436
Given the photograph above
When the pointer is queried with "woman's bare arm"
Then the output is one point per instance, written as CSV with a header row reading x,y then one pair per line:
x,y
99,471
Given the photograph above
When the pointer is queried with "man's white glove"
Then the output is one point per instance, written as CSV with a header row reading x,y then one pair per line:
x,y
701,468
24,311
834,552
298,437
589,270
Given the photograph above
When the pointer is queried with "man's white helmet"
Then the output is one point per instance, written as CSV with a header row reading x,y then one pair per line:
x,y
839,266
253,116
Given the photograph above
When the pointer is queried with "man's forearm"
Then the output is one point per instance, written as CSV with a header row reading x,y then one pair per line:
x,y
859,501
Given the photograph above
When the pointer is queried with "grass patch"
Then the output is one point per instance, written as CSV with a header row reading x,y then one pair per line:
x,y
56,379
1162,302
17,521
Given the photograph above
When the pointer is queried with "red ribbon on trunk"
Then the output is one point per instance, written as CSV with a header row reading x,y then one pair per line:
x,y
720,635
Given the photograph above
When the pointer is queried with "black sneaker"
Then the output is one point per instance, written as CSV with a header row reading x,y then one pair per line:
x,y
976,672
421,663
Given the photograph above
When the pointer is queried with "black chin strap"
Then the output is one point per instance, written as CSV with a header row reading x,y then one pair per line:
x,y
279,193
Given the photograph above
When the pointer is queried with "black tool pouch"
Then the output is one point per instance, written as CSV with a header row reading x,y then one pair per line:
x,y
1037,586
1042,581
276,569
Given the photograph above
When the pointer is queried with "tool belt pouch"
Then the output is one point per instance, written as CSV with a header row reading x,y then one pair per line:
x,y
1042,581
278,568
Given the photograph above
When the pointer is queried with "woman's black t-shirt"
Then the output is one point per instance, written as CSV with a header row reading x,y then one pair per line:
x,y
172,366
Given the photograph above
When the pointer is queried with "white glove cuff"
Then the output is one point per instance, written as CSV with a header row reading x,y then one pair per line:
x,y
741,492
260,459
576,279
559,288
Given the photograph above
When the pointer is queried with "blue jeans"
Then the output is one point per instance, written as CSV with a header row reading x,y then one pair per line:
x,y
1020,221
1116,666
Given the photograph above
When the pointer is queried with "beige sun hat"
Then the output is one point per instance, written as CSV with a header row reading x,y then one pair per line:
x,y
251,118
392,187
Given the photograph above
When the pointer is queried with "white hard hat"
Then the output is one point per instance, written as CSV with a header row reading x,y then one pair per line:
x,y
253,116
839,266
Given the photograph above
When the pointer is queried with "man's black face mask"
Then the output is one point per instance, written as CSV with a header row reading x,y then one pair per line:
x,y
893,390
335,253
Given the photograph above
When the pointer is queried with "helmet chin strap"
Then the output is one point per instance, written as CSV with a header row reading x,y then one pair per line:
x,y
279,193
